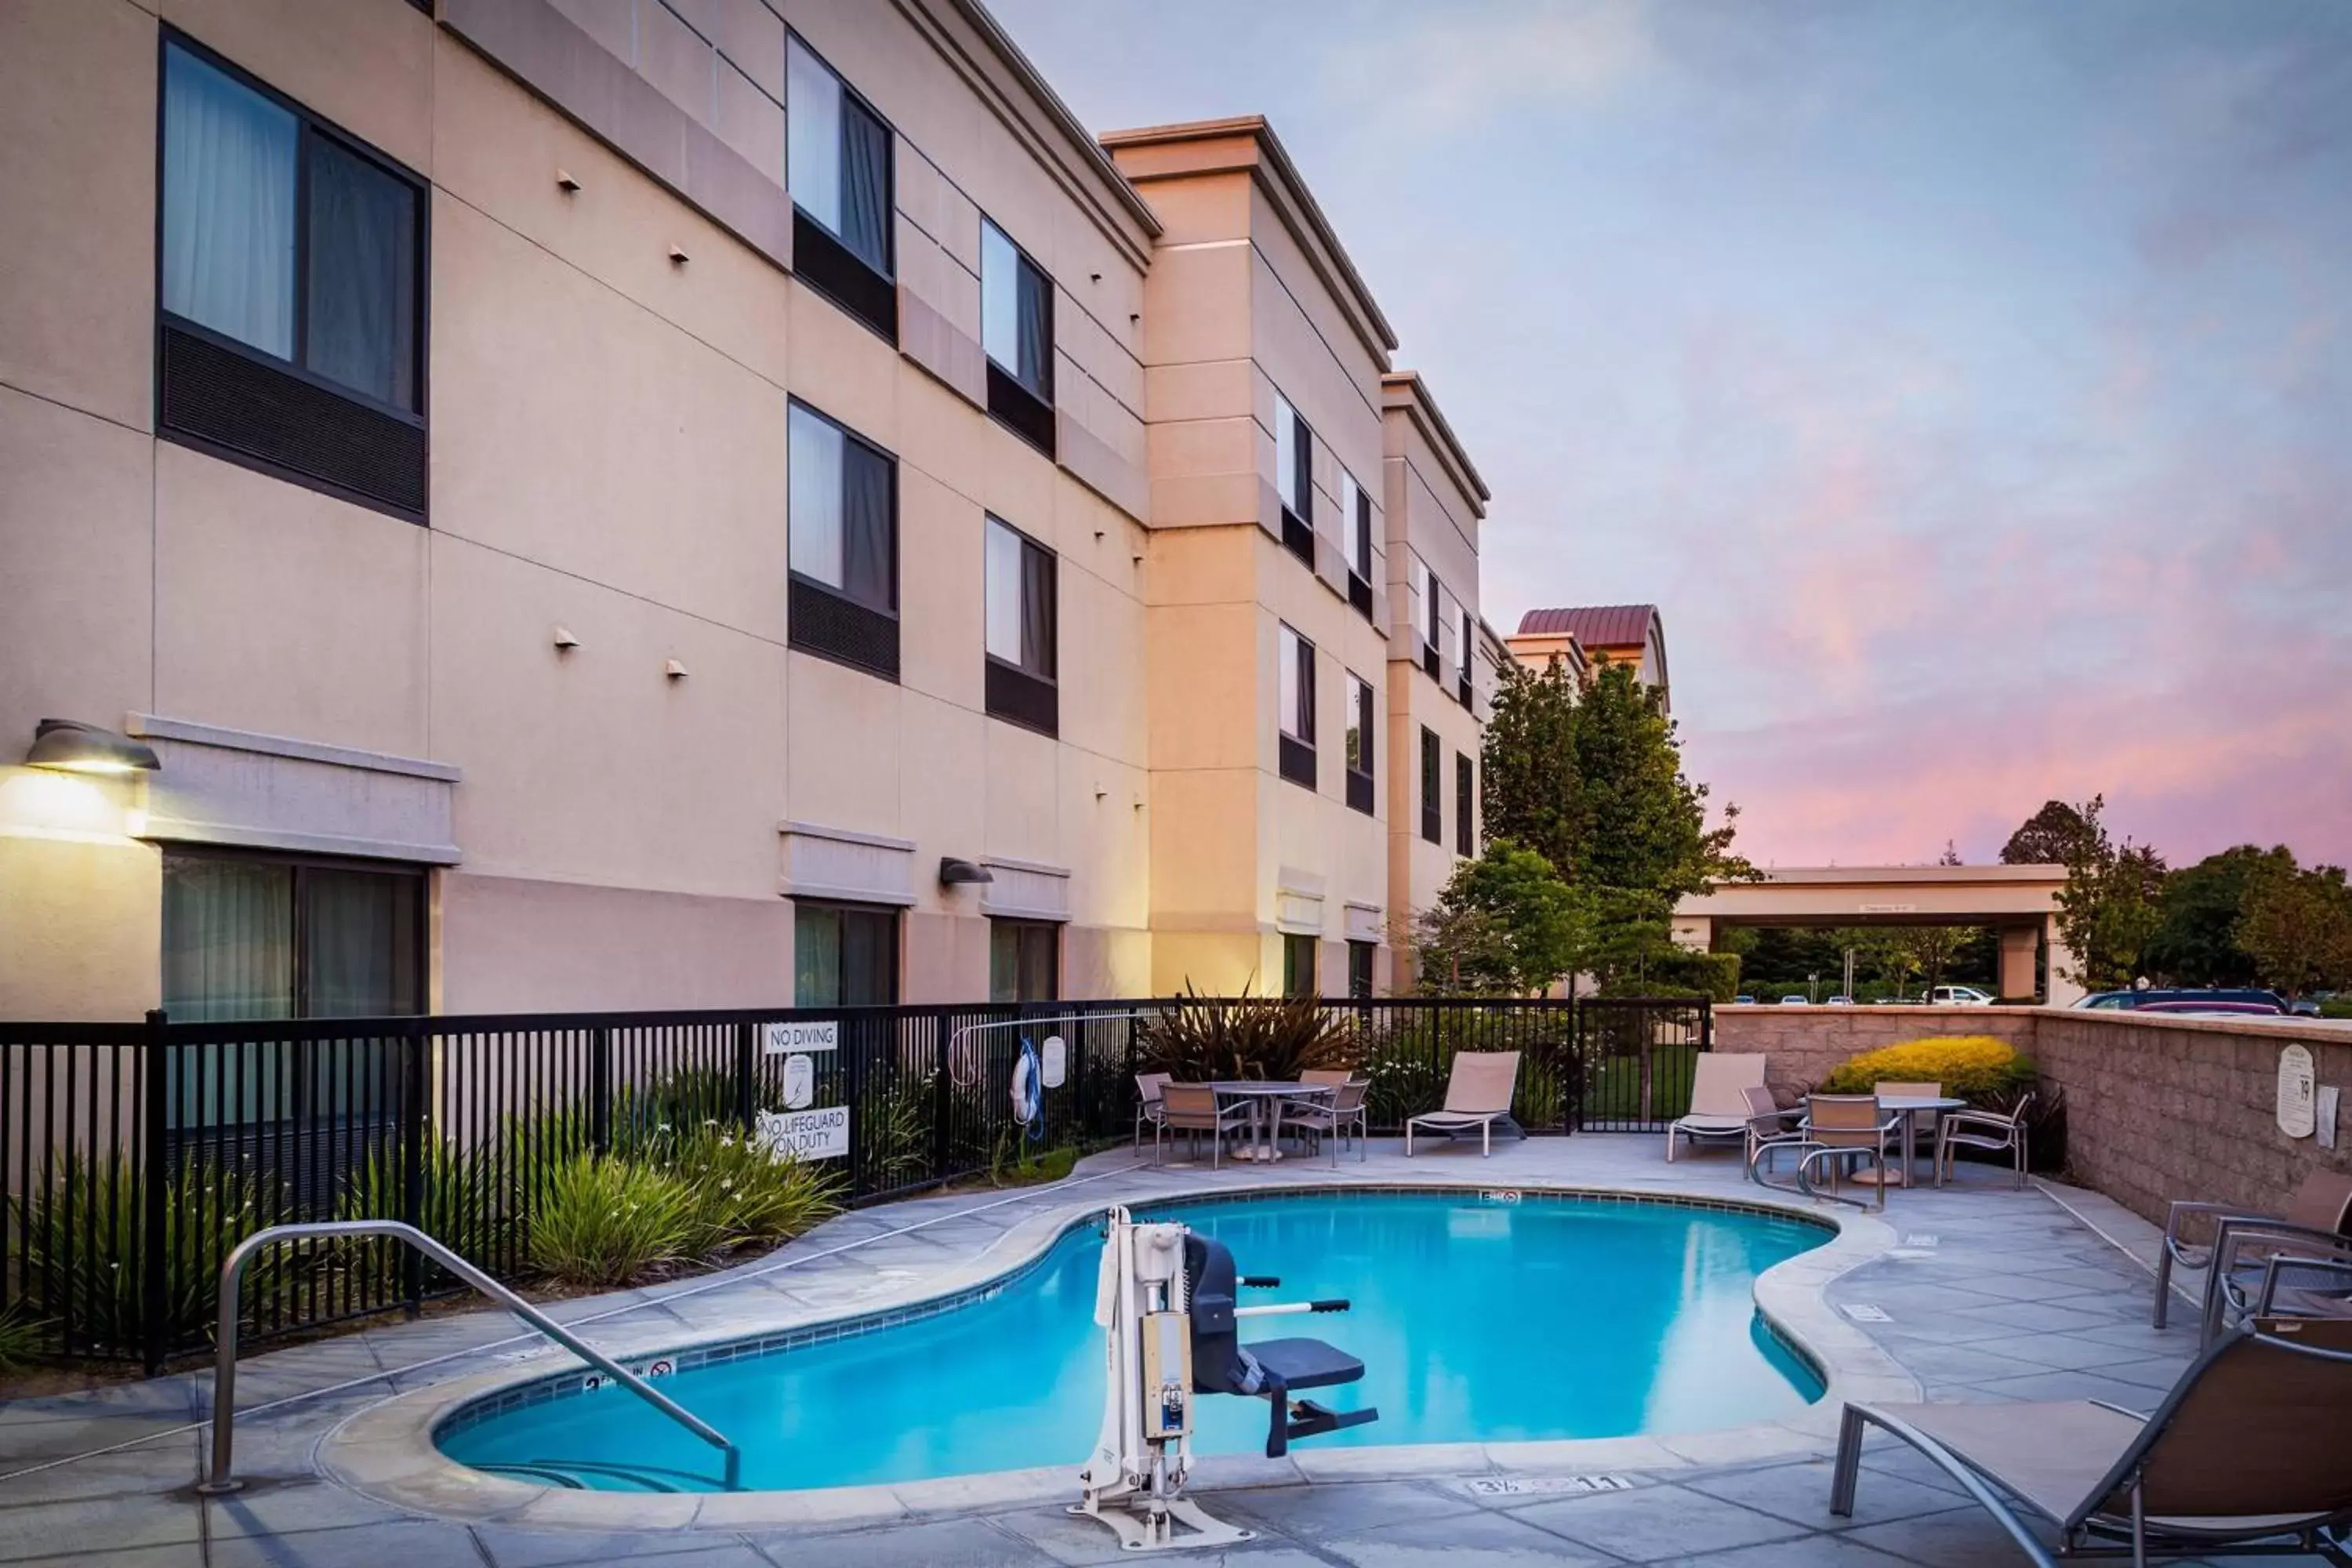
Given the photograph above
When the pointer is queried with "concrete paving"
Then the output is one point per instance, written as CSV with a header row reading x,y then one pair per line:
x,y
1974,1292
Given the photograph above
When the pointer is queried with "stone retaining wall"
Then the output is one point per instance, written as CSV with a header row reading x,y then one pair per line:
x,y
2156,1108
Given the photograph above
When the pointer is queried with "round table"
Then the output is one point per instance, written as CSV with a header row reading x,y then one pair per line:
x,y
1267,1095
1931,1106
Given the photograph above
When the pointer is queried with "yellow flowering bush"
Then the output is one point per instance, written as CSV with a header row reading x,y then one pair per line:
x,y
1969,1067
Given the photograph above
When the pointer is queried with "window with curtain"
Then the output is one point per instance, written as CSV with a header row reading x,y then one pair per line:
x,y
1465,806
1361,714
845,955
1433,772
1025,961
1356,516
841,535
837,163
1294,700
291,272
1359,968
257,937
1299,957
1293,479
1017,329
1022,635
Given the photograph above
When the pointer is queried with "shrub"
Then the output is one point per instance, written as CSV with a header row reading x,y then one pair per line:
x,y
21,1337
610,1221
84,1245
1973,1068
740,1191
1203,1039
2336,1007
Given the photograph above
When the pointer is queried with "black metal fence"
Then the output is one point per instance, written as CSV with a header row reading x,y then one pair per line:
x,y
135,1155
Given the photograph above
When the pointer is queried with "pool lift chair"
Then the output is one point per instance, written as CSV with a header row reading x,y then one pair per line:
x,y
1165,1298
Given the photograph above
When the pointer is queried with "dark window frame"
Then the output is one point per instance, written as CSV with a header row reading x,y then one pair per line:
x,y
874,304
308,124
1301,980
1014,692
801,586
1360,555
840,907
1296,752
298,907
1432,785
1359,979
1465,806
1023,930
1026,411
1361,769
1298,523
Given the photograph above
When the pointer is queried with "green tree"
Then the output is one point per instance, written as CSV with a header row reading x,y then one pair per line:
x,y
2196,940
1506,924
2297,925
2109,909
1529,787
2057,835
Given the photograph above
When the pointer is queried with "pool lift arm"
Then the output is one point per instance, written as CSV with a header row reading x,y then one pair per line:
x,y
1164,1300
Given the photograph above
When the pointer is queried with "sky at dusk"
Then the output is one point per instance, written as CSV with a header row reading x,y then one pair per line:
x,y
1969,384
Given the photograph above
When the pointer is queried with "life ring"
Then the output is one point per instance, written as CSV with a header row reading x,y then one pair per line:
x,y
1028,1096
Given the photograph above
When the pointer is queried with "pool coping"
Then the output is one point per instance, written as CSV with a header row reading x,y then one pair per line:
x,y
387,1451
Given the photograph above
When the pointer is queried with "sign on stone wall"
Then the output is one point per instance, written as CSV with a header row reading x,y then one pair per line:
x,y
2297,1087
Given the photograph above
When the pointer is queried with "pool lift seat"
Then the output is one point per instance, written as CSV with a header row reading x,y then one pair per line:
x,y
1166,1298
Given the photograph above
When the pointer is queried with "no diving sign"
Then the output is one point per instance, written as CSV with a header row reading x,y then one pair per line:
x,y
819,1134
796,1038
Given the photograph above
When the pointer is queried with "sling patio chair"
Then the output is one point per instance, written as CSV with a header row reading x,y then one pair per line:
x,y
1839,1130
1719,1105
1767,1122
1147,1086
2250,1454
1478,1095
1996,1132
2264,1268
1194,1108
2322,1203
1345,1114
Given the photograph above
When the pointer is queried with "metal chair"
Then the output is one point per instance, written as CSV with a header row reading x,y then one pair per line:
x,y
1344,1114
2322,1203
1147,1086
1988,1129
1194,1108
1839,1130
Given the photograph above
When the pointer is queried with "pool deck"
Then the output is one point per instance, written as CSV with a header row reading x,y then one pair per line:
x,y
1986,1293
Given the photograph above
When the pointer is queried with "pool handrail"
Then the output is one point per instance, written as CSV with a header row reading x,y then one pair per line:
x,y
220,1481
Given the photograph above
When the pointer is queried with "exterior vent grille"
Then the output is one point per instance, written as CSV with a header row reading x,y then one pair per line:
x,y
1022,411
1020,698
282,422
1298,762
833,627
830,267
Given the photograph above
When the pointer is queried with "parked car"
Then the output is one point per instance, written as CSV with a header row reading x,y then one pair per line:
x,y
2215,1009
2180,998
2304,1006
1793,1000
1958,996
1841,1002
1745,1001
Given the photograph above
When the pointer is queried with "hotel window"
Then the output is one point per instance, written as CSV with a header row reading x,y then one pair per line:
x,y
1021,634
1016,329
842,495
1462,686
1295,694
256,936
1356,516
837,163
845,955
1293,479
1025,961
1465,806
1433,804
1433,616
290,280
1359,968
1299,957
1359,744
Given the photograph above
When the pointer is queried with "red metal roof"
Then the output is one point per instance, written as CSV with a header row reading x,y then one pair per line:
x,y
1594,625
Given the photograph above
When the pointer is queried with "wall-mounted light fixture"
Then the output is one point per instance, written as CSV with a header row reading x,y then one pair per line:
x,y
675,668
953,871
564,641
565,183
71,746
677,257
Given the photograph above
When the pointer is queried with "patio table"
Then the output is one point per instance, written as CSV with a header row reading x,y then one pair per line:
x,y
1265,1097
1933,1107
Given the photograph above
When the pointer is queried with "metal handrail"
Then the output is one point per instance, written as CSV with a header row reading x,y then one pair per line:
x,y
220,1480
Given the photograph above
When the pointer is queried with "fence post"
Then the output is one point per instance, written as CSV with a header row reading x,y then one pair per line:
x,y
1706,1023
1575,1065
600,1090
942,1095
412,1162
747,1059
155,1067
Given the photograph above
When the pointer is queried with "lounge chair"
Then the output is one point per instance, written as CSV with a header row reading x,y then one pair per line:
x,y
1147,1086
1477,1094
1997,1132
2322,1203
2252,1444
1718,1106
1345,1113
1193,1107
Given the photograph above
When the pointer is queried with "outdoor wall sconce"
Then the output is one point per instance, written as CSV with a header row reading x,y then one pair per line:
x,y
73,747
677,257
564,641
953,871
675,670
566,183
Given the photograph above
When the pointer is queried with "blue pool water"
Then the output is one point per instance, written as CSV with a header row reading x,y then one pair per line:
x,y
1477,1320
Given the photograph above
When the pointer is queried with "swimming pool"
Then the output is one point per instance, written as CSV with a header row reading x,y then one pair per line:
x,y
1479,1318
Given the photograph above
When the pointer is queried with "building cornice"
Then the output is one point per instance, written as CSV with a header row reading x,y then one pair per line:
x,y
1405,391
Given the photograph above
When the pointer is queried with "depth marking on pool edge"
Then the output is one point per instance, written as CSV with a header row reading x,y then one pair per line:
x,y
1534,1486
1863,1312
